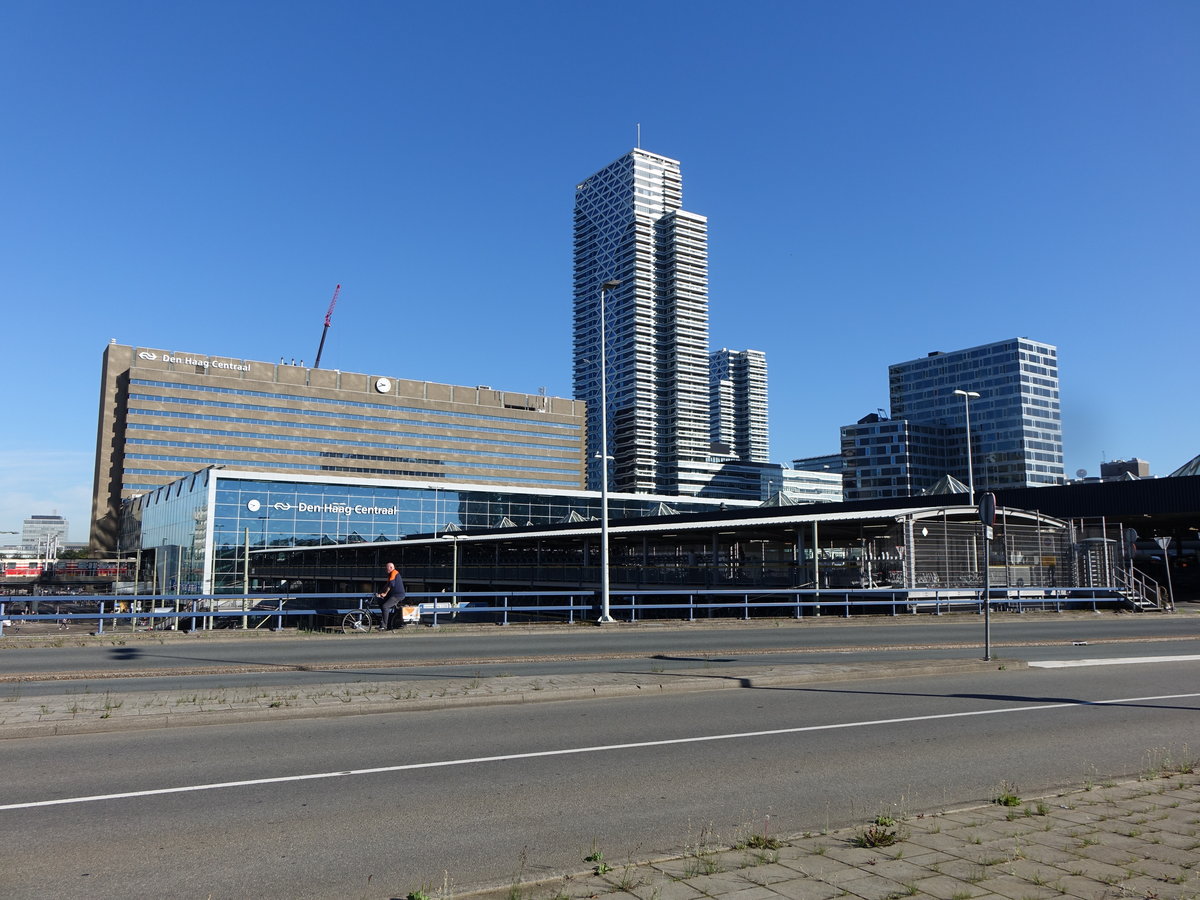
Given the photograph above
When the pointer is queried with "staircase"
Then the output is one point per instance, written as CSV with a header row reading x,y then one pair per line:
x,y
1140,591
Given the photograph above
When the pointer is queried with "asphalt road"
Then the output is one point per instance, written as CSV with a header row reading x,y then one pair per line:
x,y
213,661
377,806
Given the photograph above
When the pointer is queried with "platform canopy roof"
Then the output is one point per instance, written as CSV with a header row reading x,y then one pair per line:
x,y
947,484
1192,467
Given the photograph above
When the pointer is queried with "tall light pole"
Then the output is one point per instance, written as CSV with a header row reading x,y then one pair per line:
x,y
605,617
967,395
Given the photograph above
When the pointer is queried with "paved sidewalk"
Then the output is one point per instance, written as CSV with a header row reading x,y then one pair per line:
x,y
1138,839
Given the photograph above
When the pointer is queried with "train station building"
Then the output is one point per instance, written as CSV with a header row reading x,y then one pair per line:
x,y
225,531
165,414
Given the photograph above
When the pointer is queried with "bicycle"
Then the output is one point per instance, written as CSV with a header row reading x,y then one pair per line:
x,y
360,621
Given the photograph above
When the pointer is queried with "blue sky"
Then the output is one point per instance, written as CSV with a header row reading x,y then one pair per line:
x,y
881,179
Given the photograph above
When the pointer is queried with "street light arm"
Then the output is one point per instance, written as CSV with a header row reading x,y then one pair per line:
x,y
967,395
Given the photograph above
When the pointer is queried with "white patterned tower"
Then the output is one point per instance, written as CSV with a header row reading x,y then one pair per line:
x,y
739,403
629,227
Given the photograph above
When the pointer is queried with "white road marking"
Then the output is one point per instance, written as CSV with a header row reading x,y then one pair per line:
x,y
604,748
1117,661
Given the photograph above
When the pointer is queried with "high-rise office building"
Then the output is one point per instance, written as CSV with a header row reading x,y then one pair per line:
x,y
43,534
738,381
630,227
1015,423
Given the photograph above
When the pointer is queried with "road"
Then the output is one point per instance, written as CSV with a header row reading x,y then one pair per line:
x,y
213,661
381,805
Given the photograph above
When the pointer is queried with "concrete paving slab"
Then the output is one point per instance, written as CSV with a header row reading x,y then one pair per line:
x,y
1035,865
806,889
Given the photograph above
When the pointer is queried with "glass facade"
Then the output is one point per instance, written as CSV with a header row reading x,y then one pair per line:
x,y
1015,434
172,522
1016,422
202,526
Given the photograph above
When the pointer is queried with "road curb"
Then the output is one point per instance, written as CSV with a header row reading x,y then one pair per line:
x,y
502,690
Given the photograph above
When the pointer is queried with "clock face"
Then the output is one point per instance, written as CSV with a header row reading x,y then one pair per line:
x,y
383,385
253,505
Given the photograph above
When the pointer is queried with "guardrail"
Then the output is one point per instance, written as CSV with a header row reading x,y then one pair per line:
x,y
192,612
845,602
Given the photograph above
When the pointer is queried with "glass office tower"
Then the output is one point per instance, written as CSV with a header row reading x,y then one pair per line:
x,y
1016,424
630,227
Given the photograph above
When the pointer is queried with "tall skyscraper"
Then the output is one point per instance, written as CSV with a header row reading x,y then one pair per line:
x,y
630,227
1016,424
738,381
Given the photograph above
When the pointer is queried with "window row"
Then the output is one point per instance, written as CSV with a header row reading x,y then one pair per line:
x,y
358,404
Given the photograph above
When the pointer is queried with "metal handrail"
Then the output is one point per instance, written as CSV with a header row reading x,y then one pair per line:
x,y
206,609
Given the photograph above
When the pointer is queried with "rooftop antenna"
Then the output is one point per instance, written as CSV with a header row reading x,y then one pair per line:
x,y
639,135
325,330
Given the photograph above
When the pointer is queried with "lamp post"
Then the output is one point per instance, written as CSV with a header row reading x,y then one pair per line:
x,y
605,617
967,395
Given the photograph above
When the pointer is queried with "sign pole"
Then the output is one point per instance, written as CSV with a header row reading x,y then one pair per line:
x,y
987,517
1165,543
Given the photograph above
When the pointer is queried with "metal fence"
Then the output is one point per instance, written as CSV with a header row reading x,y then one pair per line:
x,y
107,614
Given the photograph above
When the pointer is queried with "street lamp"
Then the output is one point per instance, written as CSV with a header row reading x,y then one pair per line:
x,y
967,395
604,457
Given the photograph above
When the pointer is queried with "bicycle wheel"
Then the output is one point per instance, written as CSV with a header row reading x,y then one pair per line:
x,y
360,621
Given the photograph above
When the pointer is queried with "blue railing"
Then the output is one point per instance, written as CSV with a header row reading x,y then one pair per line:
x,y
192,612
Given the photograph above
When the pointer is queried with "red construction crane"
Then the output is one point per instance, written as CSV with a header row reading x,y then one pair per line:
x,y
325,330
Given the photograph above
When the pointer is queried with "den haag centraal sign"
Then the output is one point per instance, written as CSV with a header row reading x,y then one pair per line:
x,y
337,509
224,364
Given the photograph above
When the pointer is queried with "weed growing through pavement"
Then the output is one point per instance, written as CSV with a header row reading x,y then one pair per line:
x,y
977,875
882,832
762,842
1007,795
1166,761
626,881
514,889
597,857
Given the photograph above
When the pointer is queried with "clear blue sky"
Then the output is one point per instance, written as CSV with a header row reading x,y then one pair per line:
x,y
881,180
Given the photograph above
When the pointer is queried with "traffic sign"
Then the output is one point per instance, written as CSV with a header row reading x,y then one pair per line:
x,y
987,508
